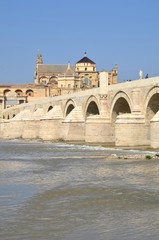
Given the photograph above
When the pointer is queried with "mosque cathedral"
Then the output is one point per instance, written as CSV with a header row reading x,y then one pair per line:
x,y
54,80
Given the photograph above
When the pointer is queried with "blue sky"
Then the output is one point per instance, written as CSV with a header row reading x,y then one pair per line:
x,y
122,32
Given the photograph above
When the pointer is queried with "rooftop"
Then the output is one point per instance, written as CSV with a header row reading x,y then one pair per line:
x,y
85,59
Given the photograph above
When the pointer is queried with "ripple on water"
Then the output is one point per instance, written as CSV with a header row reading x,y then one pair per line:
x,y
59,191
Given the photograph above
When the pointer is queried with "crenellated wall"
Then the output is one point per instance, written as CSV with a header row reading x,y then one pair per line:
x,y
124,114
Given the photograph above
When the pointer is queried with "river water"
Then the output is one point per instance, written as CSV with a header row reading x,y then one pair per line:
x,y
56,191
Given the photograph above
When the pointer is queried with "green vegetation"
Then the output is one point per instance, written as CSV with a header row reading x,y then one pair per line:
x,y
148,157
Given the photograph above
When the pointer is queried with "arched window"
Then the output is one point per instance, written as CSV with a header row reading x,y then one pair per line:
x,y
53,79
6,91
19,92
43,80
30,93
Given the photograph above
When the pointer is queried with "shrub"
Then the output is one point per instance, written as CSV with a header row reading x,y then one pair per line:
x,y
148,157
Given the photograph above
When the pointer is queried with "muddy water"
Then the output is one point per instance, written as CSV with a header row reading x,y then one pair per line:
x,y
59,191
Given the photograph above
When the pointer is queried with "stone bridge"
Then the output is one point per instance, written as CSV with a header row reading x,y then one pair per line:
x,y
123,114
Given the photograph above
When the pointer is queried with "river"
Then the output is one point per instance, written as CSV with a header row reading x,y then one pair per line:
x,y
58,191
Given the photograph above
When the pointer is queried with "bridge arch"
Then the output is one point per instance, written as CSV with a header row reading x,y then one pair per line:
x,y
49,108
121,104
92,107
151,103
70,105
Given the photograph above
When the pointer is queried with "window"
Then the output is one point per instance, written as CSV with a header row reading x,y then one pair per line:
x,y
6,92
19,92
43,81
86,81
30,93
85,69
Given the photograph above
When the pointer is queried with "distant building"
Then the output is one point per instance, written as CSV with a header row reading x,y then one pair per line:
x,y
53,80
69,77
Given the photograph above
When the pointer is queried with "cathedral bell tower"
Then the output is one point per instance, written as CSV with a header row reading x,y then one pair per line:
x,y
39,60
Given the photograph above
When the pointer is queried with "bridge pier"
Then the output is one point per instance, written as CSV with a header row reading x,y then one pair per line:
x,y
11,129
73,131
29,123
154,131
74,125
30,129
50,129
50,126
130,130
99,130
5,125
